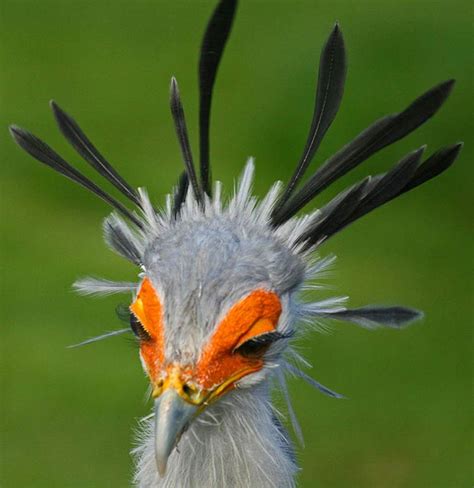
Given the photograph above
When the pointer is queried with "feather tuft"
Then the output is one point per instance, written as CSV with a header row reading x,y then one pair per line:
x,y
96,286
382,133
44,154
121,239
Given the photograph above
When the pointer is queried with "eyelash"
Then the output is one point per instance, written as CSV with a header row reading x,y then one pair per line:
x,y
124,314
257,346
138,329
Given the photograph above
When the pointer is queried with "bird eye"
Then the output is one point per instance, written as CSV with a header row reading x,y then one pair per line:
x,y
138,329
257,346
252,349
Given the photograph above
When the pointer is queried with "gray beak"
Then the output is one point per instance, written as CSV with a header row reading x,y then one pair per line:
x,y
172,415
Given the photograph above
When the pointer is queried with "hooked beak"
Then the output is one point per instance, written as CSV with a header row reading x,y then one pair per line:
x,y
172,416
177,403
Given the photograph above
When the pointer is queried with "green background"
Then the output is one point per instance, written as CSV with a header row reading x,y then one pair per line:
x,y
68,415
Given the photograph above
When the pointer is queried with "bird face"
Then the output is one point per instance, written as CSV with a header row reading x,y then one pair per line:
x,y
234,350
205,324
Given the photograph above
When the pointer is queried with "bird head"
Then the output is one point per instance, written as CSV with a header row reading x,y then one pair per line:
x,y
217,302
212,313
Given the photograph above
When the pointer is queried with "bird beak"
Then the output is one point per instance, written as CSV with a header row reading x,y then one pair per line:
x,y
172,416
177,403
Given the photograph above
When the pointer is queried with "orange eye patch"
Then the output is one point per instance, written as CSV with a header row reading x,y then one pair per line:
x,y
148,309
220,363
256,314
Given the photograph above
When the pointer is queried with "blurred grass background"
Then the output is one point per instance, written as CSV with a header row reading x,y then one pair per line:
x,y
67,416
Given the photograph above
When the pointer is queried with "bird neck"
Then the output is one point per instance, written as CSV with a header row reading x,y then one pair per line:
x,y
237,442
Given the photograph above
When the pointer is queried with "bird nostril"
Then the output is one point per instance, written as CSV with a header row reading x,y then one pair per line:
x,y
158,390
191,392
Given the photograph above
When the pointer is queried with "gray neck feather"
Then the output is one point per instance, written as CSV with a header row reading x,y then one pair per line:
x,y
236,443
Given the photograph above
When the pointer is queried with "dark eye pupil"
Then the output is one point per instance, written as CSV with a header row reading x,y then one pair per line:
x,y
253,348
138,329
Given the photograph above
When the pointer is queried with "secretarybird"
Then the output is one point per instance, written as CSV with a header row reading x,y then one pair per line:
x,y
218,302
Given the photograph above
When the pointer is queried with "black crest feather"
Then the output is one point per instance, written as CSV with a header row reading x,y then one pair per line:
x,y
79,141
382,133
436,164
407,174
180,193
182,132
330,88
212,48
386,186
374,315
44,154
333,214
344,209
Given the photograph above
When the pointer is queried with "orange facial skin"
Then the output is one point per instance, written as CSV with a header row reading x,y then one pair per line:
x,y
219,366
148,310
254,315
